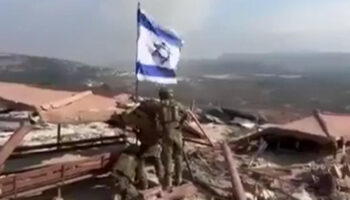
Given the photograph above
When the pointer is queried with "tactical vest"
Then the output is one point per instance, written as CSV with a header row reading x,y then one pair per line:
x,y
169,113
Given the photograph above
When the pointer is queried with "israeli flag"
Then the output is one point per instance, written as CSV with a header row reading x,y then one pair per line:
x,y
158,52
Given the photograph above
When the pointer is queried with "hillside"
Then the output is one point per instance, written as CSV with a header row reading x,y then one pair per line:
x,y
43,71
246,81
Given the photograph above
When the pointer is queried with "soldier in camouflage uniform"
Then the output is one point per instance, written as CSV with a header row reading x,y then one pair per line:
x,y
123,173
144,121
171,122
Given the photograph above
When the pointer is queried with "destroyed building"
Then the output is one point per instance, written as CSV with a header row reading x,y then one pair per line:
x,y
321,131
212,170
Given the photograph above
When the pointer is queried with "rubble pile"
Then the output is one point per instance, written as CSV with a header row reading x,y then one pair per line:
x,y
328,178
228,153
324,176
45,133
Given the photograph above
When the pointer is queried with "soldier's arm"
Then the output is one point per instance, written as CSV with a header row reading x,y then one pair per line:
x,y
184,113
183,109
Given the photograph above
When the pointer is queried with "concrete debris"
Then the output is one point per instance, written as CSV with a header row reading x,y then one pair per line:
x,y
321,177
233,113
213,119
302,195
47,133
243,123
250,196
179,192
335,170
232,154
344,184
266,194
222,115
346,170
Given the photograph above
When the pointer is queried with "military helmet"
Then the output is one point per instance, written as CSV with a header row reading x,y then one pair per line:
x,y
165,93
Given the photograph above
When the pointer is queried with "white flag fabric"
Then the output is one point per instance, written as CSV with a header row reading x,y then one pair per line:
x,y
158,52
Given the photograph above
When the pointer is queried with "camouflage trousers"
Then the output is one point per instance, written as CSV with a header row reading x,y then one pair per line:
x,y
172,151
123,189
151,152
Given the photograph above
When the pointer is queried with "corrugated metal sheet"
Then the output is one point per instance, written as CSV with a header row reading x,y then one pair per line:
x,y
87,108
338,126
91,108
21,96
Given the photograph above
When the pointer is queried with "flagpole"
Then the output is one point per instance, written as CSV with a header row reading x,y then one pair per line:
x,y
137,39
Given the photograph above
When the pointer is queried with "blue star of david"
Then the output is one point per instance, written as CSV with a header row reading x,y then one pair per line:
x,y
161,51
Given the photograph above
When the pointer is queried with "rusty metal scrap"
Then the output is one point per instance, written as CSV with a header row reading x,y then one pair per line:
x,y
238,192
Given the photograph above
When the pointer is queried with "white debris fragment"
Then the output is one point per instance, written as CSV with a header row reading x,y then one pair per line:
x,y
302,195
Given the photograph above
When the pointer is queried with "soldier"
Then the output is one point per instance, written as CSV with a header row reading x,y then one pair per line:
x,y
153,152
171,122
143,120
124,172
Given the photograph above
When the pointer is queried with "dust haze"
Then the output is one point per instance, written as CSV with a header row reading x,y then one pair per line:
x,y
103,32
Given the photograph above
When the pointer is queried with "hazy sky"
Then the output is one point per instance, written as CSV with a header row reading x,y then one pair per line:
x,y
103,31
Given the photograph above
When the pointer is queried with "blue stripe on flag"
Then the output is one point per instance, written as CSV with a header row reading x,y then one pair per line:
x,y
171,38
151,70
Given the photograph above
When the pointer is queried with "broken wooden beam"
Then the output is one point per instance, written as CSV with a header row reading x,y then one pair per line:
x,y
320,120
10,145
65,101
322,123
196,142
262,147
200,127
238,192
59,136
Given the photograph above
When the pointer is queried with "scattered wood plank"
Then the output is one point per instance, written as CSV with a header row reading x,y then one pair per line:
x,y
238,192
12,143
200,126
66,101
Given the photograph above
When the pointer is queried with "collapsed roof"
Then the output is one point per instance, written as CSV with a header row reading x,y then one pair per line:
x,y
65,107
322,128
57,106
